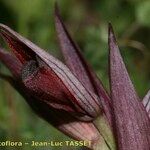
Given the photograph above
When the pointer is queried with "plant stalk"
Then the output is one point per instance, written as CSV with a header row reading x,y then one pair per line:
x,y
106,132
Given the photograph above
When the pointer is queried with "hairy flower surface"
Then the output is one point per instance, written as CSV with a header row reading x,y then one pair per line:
x,y
71,97
131,119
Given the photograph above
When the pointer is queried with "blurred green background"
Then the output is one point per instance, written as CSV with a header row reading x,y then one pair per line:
x,y
87,22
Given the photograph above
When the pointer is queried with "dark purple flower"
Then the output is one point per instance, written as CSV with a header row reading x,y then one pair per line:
x,y
35,62
51,101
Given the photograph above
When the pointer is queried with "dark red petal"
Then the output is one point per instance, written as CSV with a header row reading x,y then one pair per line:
x,y
43,84
146,102
17,47
131,120
76,62
29,51
10,62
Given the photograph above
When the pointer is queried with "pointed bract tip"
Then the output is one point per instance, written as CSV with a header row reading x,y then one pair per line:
x,y
110,28
111,37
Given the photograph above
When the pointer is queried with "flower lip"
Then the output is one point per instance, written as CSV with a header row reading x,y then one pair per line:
x,y
29,68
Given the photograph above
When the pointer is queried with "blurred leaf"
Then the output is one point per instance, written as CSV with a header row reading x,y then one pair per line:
x,y
143,12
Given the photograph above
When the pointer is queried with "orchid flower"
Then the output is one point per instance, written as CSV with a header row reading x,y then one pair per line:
x,y
72,98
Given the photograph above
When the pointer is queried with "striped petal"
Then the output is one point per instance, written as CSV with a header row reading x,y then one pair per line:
x,y
43,84
78,65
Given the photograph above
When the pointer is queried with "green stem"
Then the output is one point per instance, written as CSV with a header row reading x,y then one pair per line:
x,y
100,145
105,131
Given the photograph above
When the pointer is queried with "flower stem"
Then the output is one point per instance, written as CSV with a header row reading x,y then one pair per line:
x,y
105,130
101,145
